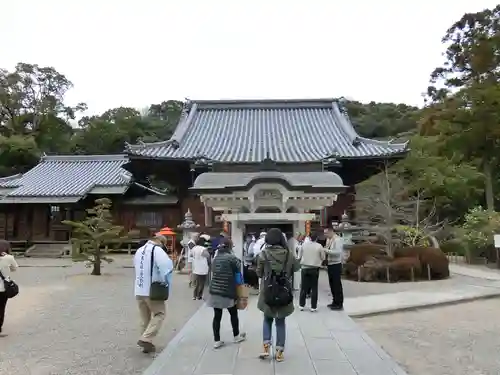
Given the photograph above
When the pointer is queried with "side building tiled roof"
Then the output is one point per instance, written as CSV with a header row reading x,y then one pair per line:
x,y
249,131
67,179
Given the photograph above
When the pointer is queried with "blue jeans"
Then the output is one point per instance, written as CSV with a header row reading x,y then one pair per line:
x,y
267,331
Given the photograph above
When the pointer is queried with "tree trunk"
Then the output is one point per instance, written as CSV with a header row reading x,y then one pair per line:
x,y
97,262
488,187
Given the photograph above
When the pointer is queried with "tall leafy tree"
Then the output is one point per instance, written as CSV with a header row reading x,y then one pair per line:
x,y
18,154
453,185
108,132
382,120
33,115
31,93
464,95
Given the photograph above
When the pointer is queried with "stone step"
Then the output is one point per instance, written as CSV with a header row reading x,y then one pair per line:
x,y
46,250
45,255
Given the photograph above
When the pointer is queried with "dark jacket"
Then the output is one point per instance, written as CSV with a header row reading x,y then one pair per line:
x,y
224,268
276,256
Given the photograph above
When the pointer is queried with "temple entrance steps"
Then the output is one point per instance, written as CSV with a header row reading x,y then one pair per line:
x,y
47,250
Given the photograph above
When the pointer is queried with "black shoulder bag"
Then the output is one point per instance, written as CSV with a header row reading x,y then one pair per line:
x,y
159,291
11,288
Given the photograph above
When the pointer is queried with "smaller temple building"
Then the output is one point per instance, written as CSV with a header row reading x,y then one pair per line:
x,y
33,205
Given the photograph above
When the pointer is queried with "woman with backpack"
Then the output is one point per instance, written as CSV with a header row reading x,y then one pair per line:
x,y
276,265
222,291
7,265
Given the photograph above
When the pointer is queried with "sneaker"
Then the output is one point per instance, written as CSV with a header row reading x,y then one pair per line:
x,y
301,308
336,307
147,347
218,344
280,355
266,352
241,337
195,298
314,310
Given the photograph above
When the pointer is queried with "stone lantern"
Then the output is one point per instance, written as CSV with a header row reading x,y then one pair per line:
x,y
346,230
189,231
189,228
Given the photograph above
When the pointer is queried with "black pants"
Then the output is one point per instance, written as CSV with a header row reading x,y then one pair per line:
x,y
235,323
335,281
309,284
3,304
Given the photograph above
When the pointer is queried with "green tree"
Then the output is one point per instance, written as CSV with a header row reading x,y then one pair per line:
x,y
33,116
95,232
18,154
382,120
166,115
108,132
453,185
31,93
464,95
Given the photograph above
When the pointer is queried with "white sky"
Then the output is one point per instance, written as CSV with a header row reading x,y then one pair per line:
x,y
135,53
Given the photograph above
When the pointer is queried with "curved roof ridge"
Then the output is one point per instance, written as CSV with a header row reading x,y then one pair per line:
x,y
11,178
141,144
232,131
379,142
85,158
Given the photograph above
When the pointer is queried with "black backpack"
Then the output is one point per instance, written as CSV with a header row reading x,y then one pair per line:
x,y
277,285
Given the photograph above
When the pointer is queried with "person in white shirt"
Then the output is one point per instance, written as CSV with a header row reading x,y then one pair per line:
x,y
200,256
189,256
334,251
311,256
152,312
259,245
7,265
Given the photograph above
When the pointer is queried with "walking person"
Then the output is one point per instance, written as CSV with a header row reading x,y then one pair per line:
x,y
200,267
334,251
152,266
248,258
7,265
222,291
275,266
311,257
189,256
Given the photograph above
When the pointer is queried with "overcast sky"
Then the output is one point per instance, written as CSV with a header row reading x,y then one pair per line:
x,y
134,53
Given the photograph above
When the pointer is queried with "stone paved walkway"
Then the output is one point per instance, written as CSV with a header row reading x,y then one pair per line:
x,y
321,343
477,271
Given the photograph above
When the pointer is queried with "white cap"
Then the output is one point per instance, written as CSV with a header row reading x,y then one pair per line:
x,y
262,234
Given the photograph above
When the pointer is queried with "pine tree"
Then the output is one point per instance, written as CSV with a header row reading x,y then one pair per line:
x,y
93,235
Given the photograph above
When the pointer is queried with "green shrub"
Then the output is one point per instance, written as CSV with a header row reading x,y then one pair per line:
x,y
453,246
478,229
411,236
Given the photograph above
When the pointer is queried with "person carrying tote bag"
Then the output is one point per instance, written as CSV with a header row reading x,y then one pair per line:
x,y
153,282
8,288
242,292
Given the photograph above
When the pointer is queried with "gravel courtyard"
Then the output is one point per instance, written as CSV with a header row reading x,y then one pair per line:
x,y
67,322
453,340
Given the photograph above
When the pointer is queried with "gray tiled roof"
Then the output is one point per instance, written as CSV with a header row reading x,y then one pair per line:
x,y
221,180
68,176
250,130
